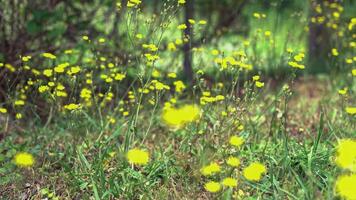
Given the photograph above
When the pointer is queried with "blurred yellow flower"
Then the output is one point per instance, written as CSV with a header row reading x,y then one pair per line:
x,y
49,55
236,141
212,186
229,182
72,106
345,186
259,84
24,159
254,171
346,154
3,110
181,1
350,110
233,161
177,118
137,157
210,169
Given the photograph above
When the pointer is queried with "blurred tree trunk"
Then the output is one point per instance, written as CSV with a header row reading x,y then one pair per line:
x,y
187,48
318,42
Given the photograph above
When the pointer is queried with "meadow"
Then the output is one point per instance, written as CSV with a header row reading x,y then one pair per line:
x,y
178,99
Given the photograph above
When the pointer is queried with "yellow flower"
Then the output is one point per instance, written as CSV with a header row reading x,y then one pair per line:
x,y
181,1
74,70
212,186
18,116
343,91
211,169
43,88
345,186
3,110
49,55
24,159
182,26
72,106
229,182
254,171
353,72
139,36
26,58
19,103
137,157
268,33
179,86
177,118
233,161
256,78
346,154
171,46
132,3
351,110
202,22
236,141
259,84
172,75
334,52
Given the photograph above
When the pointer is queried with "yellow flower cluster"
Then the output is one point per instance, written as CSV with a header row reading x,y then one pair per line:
x,y
346,159
179,117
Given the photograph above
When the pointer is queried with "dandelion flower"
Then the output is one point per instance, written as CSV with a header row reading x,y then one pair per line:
x,y
346,154
137,157
177,118
259,84
351,110
212,186
229,182
236,141
233,161
254,171
24,159
211,169
49,55
345,186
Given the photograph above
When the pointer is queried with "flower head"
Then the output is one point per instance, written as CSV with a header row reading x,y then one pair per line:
x,y
24,159
233,161
178,117
254,171
137,157
229,182
346,154
212,186
210,169
345,186
236,141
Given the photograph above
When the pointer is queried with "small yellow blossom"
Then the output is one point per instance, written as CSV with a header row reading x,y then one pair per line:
x,y
229,182
3,110
233,161
212,186
210,169
72,106
345,186
254,171
236,141
181,2
259,84
24,159
351,110
137,157
346,154
49,55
